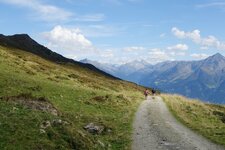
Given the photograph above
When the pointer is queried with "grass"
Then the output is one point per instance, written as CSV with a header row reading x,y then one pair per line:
x,y
80,95
206,119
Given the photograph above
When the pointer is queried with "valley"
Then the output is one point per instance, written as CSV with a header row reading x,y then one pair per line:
x,y
203,79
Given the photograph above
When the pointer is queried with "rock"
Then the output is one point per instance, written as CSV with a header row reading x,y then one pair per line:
x,y
56,122
42,131
54,112
99,129
94,129
45,124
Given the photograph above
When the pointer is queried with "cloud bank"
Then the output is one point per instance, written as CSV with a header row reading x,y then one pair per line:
x,y
195,36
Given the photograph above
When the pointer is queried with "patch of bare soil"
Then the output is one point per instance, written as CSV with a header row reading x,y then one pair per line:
x,y
31,102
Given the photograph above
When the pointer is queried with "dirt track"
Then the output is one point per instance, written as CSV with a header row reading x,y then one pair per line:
x,y
156,129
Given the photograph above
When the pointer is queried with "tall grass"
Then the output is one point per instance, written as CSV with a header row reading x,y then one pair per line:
x,y
206,119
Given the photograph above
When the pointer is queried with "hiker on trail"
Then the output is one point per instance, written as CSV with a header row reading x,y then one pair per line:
x,y
153,91
146,93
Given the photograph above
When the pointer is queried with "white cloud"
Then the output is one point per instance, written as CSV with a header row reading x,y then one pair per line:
x,y
72,43
178,33
212,41
195,36
42,11
51,13
157,55
133,49
179,47
199,56
71,56
107,54
68,41
221,46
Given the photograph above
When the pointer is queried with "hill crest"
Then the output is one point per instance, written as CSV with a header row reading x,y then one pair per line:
x,y
26,43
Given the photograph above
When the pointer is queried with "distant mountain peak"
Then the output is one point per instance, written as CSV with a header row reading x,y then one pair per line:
x,y
84,60
88,61
217,56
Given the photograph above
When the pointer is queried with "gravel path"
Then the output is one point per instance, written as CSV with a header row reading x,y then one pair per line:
x,y
156,129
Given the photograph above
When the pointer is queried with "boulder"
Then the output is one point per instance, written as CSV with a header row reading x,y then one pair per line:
x,y
94,129
58,122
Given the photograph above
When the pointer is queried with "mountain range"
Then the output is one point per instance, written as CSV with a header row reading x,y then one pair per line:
x,y
203,79
124,71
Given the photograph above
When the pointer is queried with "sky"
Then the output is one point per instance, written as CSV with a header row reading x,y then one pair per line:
x,y
120,31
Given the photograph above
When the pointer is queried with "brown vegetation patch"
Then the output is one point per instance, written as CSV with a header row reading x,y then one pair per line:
x,y
219,114
61,77
74,76
101,98
28,101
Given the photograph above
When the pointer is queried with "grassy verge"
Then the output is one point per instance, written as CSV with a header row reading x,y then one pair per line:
x,y
80,95
206,119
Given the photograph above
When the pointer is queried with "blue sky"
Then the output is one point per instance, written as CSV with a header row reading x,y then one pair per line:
x,y
119,31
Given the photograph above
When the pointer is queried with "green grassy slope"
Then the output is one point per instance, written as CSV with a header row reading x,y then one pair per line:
x,y
80,96
206,119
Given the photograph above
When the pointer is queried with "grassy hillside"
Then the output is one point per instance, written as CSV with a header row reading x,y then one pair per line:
x,y
75,96
206,119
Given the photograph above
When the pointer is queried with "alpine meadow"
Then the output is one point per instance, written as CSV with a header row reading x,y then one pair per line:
x,y
112,75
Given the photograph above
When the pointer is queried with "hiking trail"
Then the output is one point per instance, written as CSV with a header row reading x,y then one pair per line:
x,y
155,128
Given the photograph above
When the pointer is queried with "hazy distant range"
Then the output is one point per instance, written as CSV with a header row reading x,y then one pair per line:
x,y
204,79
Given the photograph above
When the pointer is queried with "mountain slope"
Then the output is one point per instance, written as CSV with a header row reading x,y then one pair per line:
x,y
196,79
125,70
75,96
24,42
